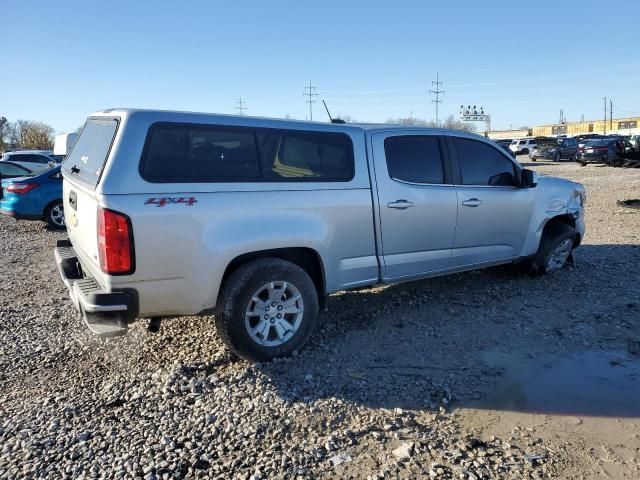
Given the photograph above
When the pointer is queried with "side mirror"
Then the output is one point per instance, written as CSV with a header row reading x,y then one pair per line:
x,y
528,178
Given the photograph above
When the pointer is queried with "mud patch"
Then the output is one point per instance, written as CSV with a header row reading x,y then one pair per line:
x,y
591,383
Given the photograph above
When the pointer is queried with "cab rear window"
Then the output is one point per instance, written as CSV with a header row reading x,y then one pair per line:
x,y
178,152
89,154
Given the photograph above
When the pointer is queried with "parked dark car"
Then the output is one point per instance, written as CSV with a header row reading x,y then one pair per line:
x,y
600,150
550,148
13,170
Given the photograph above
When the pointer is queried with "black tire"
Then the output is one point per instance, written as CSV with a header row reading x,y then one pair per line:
x,y
525,151
556,157
551,238
583,164
51,215
533,159
236,297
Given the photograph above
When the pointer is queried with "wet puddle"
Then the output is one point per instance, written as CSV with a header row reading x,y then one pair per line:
x,y
593,383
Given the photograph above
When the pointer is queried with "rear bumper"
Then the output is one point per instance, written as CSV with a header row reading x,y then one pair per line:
x,y
105,313
592,158
19,216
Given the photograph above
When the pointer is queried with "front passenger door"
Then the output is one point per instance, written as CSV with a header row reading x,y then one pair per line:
x,y
417,203
493,212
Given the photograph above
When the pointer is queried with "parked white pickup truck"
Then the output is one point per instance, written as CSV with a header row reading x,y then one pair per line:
x,y
258,220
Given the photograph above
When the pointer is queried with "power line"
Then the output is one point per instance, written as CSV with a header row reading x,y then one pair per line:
x,y
241,106
437,93
309,92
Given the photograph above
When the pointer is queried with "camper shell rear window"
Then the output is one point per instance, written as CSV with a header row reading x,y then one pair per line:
x,y
185,152
90,152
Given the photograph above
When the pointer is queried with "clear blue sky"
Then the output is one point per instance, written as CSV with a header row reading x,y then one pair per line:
x,y
523,61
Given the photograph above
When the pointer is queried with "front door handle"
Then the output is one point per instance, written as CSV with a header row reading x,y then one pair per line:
x,y
472,202
400,204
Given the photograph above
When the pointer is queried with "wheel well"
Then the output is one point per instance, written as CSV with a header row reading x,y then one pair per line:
x,y
306,258
53,202
565,219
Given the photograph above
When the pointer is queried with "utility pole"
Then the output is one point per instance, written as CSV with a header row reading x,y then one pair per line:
x,y
605,114
309,92
437,92
561,116
610,115
241,106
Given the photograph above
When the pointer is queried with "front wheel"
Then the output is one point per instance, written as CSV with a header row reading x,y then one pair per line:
x,y
556,157
54,215
555,249
268,309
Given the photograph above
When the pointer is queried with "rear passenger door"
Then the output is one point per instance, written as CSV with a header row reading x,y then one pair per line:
x,y
416,201
493,212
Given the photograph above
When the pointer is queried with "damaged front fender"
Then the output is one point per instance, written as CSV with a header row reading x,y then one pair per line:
x,y
556,198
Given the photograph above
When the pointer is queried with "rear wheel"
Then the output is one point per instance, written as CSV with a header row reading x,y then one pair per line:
x,y
555,249
54,215
525,151
268,309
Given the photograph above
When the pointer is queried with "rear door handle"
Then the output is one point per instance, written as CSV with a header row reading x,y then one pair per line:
x,y
400,204
472,202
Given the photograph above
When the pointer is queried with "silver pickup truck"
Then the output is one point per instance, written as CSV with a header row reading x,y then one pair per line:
x,y
257,221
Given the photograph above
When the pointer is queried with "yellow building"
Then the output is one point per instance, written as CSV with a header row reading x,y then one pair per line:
x,y
620,126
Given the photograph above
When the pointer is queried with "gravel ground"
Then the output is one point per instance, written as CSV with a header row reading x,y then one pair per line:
x,y
399,382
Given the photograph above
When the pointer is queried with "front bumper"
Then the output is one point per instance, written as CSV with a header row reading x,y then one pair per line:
x,y
19,216
105,313
544,155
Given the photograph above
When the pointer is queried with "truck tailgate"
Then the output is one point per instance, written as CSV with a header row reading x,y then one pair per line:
x,y
81,210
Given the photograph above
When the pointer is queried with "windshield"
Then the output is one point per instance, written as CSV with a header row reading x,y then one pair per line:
x,y
89,154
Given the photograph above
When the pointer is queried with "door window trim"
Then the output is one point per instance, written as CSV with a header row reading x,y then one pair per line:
x,y
457,172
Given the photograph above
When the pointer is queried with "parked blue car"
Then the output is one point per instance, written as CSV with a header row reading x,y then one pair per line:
x,y
35,197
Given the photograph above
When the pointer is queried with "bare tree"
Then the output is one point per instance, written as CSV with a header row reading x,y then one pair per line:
x,y
451,122
407,121
4,131
31,135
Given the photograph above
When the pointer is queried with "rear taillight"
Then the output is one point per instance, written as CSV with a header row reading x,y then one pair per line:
x,y
20,188
115,243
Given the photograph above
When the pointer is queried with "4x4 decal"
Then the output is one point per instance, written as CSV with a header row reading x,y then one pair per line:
x,y
162,201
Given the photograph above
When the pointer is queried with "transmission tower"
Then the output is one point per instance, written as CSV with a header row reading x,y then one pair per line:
x,y
437,92
241,106
309,92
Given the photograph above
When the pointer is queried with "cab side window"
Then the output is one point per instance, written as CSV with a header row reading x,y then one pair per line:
x,y
483,164
414,158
